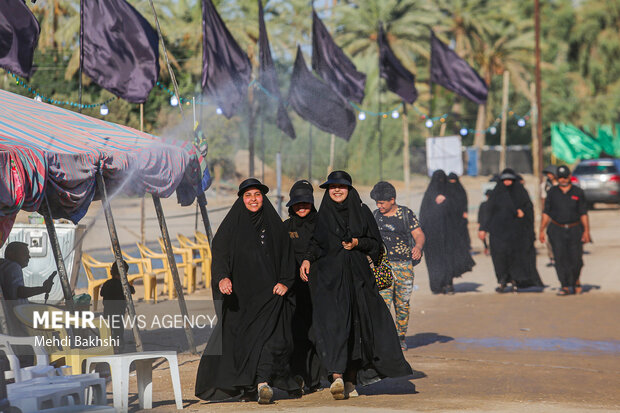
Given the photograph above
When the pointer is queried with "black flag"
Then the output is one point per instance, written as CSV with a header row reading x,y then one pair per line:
x,y
330,62
399,80
267,74
19,35
452,72
226,69
121,51
317,103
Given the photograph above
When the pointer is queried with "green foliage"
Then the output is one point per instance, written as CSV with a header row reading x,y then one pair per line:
x,y
580,63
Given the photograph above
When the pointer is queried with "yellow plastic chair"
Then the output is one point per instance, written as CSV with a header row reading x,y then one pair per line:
x,y
58,343
146,252
145,271
94,284
201,238
204,251
187,263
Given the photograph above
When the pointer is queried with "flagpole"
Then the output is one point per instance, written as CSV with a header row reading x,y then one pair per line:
x,y
505,90
262,142
406,169
81,55
310,153
379,131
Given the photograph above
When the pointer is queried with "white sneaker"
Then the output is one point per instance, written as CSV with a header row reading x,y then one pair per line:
x,y
349,389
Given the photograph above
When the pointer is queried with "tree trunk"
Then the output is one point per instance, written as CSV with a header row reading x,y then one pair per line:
x,y
480,122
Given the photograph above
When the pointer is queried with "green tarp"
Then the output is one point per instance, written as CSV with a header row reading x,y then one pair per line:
x,y
570,144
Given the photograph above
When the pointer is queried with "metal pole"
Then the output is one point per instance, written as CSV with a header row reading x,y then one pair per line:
x,y
262,145
535,139
505,90
81,55
142,201
4,322
310,153
60,262
379,131
538,172
279,181
406,168
175,272
332,153
118,257
202,204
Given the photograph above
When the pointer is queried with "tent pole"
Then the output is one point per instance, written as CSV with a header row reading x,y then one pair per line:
x,y
173,268
118,257
310,153
142,202
202,204
279,181
4,326
60,262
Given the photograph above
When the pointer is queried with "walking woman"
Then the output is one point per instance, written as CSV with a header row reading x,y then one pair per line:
x,y
446,257
458,193
510,224
354,332
253,268
305,363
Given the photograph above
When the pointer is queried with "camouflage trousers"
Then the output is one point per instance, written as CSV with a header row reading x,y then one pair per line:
x,y
399,294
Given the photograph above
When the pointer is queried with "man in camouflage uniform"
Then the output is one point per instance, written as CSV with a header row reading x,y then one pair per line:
x,y
404,241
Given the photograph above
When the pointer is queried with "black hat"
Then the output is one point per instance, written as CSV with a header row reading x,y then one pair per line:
x,y
337,177
550,169
452,175
252,183
383,191
301,191
563,171
508,174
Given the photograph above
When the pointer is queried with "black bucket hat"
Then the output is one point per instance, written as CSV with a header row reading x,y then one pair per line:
x,y
337,177
563,171
301,191
252,183
508,174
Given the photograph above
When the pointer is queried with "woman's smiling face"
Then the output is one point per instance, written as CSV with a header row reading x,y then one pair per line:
x,y
338,192
253,199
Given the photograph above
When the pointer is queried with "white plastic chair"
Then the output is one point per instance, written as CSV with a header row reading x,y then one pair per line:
x,y
17,373
119,368
34,398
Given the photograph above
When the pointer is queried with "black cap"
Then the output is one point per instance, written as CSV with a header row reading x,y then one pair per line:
x,y
337,177
452,175
301,191
550,169
383,191
563,171
508,174
252,183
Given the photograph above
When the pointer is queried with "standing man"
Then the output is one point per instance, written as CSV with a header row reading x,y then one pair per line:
x,y
17,257
404,240
546,185
566,217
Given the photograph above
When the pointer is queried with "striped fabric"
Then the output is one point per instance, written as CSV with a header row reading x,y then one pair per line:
x,y
47,150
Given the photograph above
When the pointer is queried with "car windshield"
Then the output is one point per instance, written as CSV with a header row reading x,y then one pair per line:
x,y
596,168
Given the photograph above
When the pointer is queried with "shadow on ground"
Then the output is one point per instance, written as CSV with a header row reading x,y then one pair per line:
x,y
424,339
467,287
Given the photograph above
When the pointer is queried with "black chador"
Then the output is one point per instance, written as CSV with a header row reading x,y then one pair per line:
x,y
510,223
304,360
354,331
446,251
457,192
252,340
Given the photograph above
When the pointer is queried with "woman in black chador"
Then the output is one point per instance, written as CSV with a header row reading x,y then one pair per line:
x,y
458,193
354,331
305,362
510,223
446,254
253,268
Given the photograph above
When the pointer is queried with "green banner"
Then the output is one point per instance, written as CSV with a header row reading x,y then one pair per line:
x,y
571,144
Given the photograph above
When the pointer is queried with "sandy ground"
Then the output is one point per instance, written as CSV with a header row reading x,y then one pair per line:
x,y
474,351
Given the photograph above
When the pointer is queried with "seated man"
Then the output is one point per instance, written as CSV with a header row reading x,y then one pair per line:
x,y
14,292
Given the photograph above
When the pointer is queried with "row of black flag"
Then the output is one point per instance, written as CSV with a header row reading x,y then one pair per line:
x,y
119,51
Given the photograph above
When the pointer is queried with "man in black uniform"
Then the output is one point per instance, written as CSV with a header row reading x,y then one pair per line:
x,y
566,215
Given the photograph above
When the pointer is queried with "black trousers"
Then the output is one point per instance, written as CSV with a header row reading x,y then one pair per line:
x,y
568,252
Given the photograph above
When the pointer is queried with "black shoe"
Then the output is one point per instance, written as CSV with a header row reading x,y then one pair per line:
x,y
551,264
501,289
450,290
